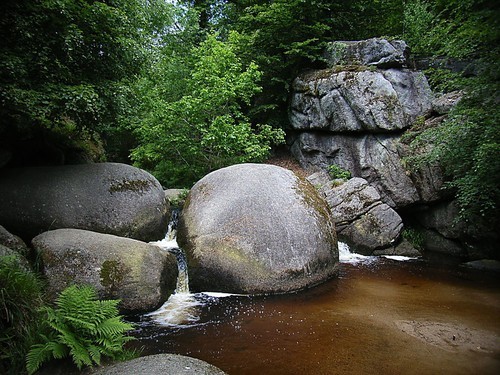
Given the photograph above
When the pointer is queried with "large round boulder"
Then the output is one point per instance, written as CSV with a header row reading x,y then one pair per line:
x,y
103,197
140,274
256,228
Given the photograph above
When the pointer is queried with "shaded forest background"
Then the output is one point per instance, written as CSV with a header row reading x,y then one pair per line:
x,y
183,88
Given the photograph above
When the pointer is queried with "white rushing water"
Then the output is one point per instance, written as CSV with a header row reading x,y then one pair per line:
x,y
345,256
182,308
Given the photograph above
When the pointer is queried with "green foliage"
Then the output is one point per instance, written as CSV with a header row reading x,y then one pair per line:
x,y
457,28
337,172
80,326
69,64
283,37
187,136
467,145
20,298
414,237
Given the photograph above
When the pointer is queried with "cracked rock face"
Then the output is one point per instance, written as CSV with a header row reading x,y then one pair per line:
x,y
379,52
361,218
373,157
359,101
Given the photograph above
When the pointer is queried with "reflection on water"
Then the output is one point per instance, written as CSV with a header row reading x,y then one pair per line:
x,y
379,316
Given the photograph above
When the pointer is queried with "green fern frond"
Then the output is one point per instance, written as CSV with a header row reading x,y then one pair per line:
x,y
59,350
95,353
38,354
113,327
84,328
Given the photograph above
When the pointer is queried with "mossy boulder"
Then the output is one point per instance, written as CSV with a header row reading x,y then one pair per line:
x,y
140,274
103,197
258,229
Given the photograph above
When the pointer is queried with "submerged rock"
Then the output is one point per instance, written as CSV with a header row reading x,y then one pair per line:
x,y
103,197
139,274
256,228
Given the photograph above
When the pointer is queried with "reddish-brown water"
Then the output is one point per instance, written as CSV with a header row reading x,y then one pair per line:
x,y
386,317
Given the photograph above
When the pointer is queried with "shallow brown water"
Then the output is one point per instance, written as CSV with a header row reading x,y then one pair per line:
x,y
385,317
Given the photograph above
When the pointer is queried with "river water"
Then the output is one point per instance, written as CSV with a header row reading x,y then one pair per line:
x,y
380,316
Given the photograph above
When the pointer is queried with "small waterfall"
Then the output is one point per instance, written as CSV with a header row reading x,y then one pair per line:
x,y
346,256
181,307
182,278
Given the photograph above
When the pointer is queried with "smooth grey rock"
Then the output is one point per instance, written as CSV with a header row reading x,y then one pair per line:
x,y
165,364
379,52
103,197
139,274
359,101
375,158
257,228
13,242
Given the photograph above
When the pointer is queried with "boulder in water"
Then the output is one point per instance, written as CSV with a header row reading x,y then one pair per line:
x,y
104,197
256,228
160,364
140,274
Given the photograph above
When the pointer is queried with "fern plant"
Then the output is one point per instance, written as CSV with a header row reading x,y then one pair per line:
x,y
83,327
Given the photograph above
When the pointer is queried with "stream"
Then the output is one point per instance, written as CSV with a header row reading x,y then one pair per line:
x,y
380,316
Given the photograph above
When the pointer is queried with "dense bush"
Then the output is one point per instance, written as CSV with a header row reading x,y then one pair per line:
x,y
20,299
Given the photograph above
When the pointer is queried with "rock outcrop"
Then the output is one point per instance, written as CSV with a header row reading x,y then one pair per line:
x,y
360,100
353,114
377,52
256,228
140,274
104,197
362,220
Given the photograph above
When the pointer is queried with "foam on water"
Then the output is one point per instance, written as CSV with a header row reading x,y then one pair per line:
x,y
399,258
181,309
345,255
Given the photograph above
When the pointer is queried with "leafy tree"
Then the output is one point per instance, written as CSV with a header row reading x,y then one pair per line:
x,y
65,68
184,138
